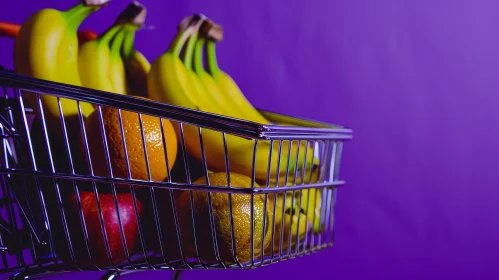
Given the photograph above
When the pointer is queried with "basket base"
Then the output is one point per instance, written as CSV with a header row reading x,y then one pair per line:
x,y
110,275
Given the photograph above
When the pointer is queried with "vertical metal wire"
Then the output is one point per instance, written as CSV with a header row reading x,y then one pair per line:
x,y
184,153
77,192
302,177
329,206
320,178
331,216
97,200
300,207
293,200
331,190
307,215
70,161
265,222
278,171
34,166
33,161
9,193
8,189
232,232
120,223
65,137
155,207
132,189
210,204
252,209
329,150
191,194
4,255
285,194
172,199
337,160
336,173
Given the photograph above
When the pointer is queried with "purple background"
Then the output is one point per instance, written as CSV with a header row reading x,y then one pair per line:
x,y
418,83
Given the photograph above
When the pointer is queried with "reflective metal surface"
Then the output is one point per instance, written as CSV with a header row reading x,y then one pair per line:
x,y
62,212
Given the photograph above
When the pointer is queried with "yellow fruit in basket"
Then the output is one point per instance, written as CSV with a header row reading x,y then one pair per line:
x,y
169,81
241,213
131,126
46,48
295,219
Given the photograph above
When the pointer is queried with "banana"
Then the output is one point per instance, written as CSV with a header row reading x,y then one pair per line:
x,y
197,84
116,65
229,87
96,63
136,65
47,48
221,86
103,60
170,82
212,90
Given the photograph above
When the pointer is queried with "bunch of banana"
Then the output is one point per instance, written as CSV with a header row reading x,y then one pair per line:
x,y
136,64
233,95
47,48
183,81
231,91
102,63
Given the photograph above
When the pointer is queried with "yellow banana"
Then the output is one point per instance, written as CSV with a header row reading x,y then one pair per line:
x,y
117,74
222,87
95,61
136,65
211,89
229,102
101,62
47,48
200,94
293,219
230,89
170,82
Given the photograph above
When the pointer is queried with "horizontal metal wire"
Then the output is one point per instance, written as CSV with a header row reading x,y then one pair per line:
x,y
110,220
167,185
216,122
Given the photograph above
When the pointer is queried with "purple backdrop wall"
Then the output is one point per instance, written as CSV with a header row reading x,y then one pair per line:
x,y
416,80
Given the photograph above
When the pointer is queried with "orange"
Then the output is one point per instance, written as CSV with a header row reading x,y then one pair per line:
x,y
241,213
136,156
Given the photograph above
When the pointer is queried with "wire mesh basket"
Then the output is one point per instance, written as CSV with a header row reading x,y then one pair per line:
x,y
141,185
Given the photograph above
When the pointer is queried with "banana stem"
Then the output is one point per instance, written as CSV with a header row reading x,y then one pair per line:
x,y
128,44
179,41
78,13
189,52
117,42
198,55
105,37
211,58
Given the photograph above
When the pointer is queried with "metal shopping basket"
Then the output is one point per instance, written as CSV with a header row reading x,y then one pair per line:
x,y
57,217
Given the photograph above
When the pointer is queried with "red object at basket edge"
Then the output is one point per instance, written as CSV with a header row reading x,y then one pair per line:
x,y
11,30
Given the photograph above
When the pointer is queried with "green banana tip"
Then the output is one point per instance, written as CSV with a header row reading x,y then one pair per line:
x,y
179,41
211,59
128,43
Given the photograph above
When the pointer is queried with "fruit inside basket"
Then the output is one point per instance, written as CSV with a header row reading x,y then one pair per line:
x,y
131,164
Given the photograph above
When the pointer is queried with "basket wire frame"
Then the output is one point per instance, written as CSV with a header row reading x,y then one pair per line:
x,y
41,233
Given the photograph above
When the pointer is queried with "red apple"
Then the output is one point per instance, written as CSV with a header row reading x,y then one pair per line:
x,y
111,224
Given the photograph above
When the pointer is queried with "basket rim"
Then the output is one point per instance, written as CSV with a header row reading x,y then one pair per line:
x,y
169,185
300,128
